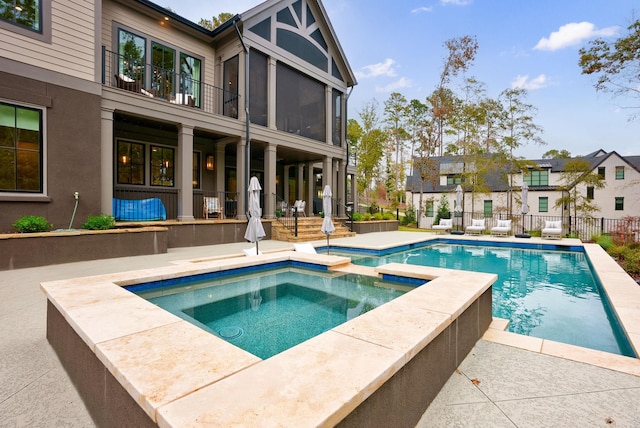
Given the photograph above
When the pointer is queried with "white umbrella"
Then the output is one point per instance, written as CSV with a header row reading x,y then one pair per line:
x,y
458,204
255,231
327,225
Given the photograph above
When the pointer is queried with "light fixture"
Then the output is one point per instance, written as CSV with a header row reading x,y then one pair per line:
x,y
124,159
209,163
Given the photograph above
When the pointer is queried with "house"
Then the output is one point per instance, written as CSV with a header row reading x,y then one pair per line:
x,y
127,100
502,192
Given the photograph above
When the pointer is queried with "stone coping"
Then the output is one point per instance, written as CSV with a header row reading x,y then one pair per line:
x,y
181,375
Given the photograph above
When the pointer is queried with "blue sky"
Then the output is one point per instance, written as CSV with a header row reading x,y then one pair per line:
x,y
398,46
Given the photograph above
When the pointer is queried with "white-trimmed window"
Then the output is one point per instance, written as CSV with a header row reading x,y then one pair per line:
x,y
21,149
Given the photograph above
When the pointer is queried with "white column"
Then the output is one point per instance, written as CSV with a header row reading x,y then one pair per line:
x,y
219,165
106,161
184,173
300,181
269,186
241,184
310,189
327,172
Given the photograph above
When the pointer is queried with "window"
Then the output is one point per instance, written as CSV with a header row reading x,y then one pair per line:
x,y
537,178
300,104
25,13
190,78
429,209
619,204
130,163
195,173
162,163
131,56
454,179
162,71
620,173
21,143
230,94
601,171
258,87
590,193
543,204
336,120
488,208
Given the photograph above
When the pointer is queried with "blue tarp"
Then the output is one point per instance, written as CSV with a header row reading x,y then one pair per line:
x,y
139,209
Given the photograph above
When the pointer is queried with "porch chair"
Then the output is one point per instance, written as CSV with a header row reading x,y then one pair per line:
x,y
502,228
298,206
445,225
211,206
477,227
552,229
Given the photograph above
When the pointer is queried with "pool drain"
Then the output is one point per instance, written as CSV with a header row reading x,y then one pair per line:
x,y
230,332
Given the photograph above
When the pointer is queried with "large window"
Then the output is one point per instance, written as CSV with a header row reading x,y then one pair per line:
x,y
132,51
620,173
130,163
162,166
300,104
590,192
601,172
454,179
258,85
190,79
230,95
20,149
336,119
543,204
619,204
537,178
25,13
162,71
429,209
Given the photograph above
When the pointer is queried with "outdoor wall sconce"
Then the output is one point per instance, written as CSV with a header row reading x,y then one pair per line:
x,y
209,163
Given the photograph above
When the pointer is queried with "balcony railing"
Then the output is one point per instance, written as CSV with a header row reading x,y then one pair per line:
x,y
166,85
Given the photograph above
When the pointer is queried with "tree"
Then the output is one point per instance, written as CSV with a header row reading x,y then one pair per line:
x,y
556,154
616,65
443,209
216,21
578,176
395,109
370,147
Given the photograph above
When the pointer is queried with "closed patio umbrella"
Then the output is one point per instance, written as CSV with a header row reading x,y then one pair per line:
x,y
327,225
525,209
255,231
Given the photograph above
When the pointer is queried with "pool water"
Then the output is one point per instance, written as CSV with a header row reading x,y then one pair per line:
x,y
270,312
546,294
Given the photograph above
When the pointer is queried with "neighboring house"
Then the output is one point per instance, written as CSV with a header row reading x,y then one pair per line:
x,y
620,197
125,99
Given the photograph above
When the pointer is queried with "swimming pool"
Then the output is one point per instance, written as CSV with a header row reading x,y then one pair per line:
x,y
268,312
550,294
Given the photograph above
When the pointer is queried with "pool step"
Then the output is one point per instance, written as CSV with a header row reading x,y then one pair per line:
x,y
308,230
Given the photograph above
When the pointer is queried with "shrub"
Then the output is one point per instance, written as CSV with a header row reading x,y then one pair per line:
x,y
366,217
388,216
605,241
631,262
32,224
100,222
357,217
409,216
377,216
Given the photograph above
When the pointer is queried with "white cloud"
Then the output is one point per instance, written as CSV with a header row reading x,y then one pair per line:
x,y
403,82
530,84
385,68
455,2
422,9
573,34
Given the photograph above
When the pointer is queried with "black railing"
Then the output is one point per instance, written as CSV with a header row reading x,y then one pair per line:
x,y
226,205
167,208
348,210
286,214
166,85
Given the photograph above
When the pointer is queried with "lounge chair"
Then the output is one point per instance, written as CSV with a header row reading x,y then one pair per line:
x,y
552,229
445,225
127,83
305,248
477,227
211,206
502,228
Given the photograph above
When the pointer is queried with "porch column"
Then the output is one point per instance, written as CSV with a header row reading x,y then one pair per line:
x,y
285,185
327,172
300,182
106,161
241,185
271,93
184,176
310,189
341,186
219,161
269,186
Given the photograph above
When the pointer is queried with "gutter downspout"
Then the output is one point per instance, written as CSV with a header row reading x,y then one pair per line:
x,y
247,150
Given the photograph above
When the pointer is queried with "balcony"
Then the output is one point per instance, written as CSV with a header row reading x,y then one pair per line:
x,y
171,86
